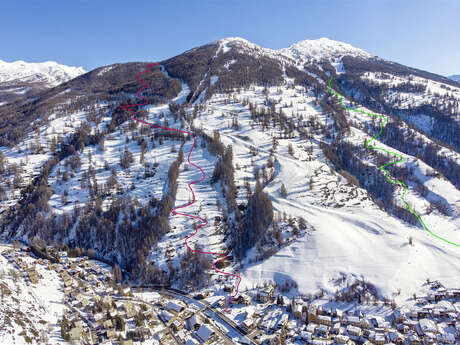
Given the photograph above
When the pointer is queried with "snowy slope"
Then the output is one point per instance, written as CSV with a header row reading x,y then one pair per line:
x,y
29,313
358,239
348,234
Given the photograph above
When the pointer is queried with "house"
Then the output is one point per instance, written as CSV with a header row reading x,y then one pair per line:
x,y
111,334
414,339
175,306
311,315
205,334
107,324
284,320
191,341
396,338
342,339
130,313
75,333
379,339
33,276
324,320
322,331
266,295
176,325
429,338
98,317
352,320
446,338
355,331
192,323
398,315
297,311
311,327
248,324
424,326
337,329
141,334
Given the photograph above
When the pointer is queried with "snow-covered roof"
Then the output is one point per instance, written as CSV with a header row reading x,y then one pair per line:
x,y
204,333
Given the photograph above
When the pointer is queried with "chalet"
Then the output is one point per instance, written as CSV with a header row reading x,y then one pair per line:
x,y
141,334
245,299
165,316
378,322
107,324
176,325
453,293
176,307
192,323
396,338
311,327
337,313
414,339
379,339
324,320
429,338
75,333
99,317
283,322
205,334
311,315
91,277
248,324
130,313
191,341
107,300
337,329
297,311
33,276
398,315
355,331
410,323
322,331
446,338
424,326
342,339
306,336
113,312
352,320
111,333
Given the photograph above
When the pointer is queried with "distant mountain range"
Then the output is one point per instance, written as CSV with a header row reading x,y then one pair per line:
x,y
21,79
455,77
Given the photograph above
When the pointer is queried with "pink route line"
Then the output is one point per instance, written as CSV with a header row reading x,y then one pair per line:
x,y
205,222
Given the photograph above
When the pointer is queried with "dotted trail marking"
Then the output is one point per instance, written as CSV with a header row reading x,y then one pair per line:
x,y
204,221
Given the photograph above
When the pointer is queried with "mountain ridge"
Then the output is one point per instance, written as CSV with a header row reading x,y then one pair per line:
x,y
279,151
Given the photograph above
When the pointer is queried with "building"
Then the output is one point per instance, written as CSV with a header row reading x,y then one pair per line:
x,y
205,334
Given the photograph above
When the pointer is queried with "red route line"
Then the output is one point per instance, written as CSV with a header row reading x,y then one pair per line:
x,y
205,222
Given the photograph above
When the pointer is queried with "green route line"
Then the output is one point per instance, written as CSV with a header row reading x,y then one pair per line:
x,y
382,167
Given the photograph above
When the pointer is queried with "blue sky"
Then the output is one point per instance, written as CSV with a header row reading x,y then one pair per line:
x,y
91,33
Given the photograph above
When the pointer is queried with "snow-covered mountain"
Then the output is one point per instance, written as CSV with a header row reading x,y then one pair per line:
x,y
19,78
290,192
322,49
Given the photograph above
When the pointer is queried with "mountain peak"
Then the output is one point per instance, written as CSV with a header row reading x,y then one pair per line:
x,y
322,48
